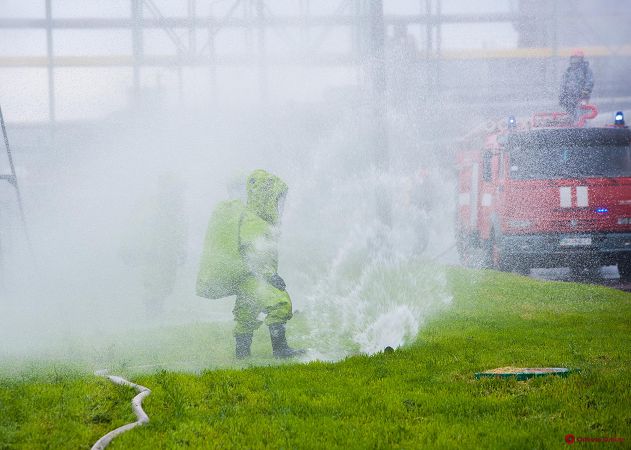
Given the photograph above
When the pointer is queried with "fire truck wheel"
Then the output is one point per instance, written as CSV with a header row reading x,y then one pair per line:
x,y
624,269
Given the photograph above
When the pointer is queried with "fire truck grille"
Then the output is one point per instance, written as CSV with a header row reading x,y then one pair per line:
x,y
574,223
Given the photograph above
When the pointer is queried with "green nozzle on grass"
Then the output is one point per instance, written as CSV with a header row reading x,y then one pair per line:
x,y
524,373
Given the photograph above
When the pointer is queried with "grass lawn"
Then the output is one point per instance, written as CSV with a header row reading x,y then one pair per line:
x,y
421,396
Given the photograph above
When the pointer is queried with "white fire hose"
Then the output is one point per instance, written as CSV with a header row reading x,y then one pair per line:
x,y
136,407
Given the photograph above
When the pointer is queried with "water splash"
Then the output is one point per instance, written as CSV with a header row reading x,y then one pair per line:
x,y
368,285
390,329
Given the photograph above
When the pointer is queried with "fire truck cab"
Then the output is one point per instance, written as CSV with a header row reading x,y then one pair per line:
x,y
548,193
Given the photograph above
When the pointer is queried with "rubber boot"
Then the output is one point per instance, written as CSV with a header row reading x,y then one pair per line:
x,y
280,349
244,341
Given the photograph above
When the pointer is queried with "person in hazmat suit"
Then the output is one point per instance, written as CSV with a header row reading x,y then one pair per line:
x,y
240,257
155,242
576,85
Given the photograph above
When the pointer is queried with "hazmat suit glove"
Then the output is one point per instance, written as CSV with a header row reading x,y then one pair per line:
x,y
276,281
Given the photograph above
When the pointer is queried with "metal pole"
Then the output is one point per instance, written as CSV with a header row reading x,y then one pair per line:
x,y
262,54
192,42
428,28
137,45
555,44
192,29
378,80
439,37
428,45
358,36
305,29
381,156
247,28
51,62
212,63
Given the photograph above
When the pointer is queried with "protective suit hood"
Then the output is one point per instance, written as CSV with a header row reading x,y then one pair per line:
x,y
265,192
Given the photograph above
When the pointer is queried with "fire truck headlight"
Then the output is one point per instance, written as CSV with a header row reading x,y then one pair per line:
x,y
624,220
519,223
619,118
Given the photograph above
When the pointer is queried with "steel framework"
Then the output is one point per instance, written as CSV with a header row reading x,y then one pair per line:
x,y
255,19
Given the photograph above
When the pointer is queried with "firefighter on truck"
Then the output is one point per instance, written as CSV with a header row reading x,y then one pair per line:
x,y
546,194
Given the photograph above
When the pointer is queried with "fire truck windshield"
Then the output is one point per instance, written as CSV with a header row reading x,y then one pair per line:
x,y
604,161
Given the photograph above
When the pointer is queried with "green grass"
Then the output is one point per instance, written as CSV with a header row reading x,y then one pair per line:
x,y
421,396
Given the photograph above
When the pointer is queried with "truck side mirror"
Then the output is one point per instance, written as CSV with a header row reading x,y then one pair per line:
x,y
487,173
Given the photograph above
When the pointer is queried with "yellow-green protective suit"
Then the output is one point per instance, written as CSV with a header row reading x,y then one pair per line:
x,y
154,243
240,254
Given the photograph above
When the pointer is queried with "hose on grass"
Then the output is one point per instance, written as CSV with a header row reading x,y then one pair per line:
x,y
136,407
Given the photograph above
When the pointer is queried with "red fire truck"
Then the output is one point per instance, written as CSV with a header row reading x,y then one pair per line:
x,y
549,192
